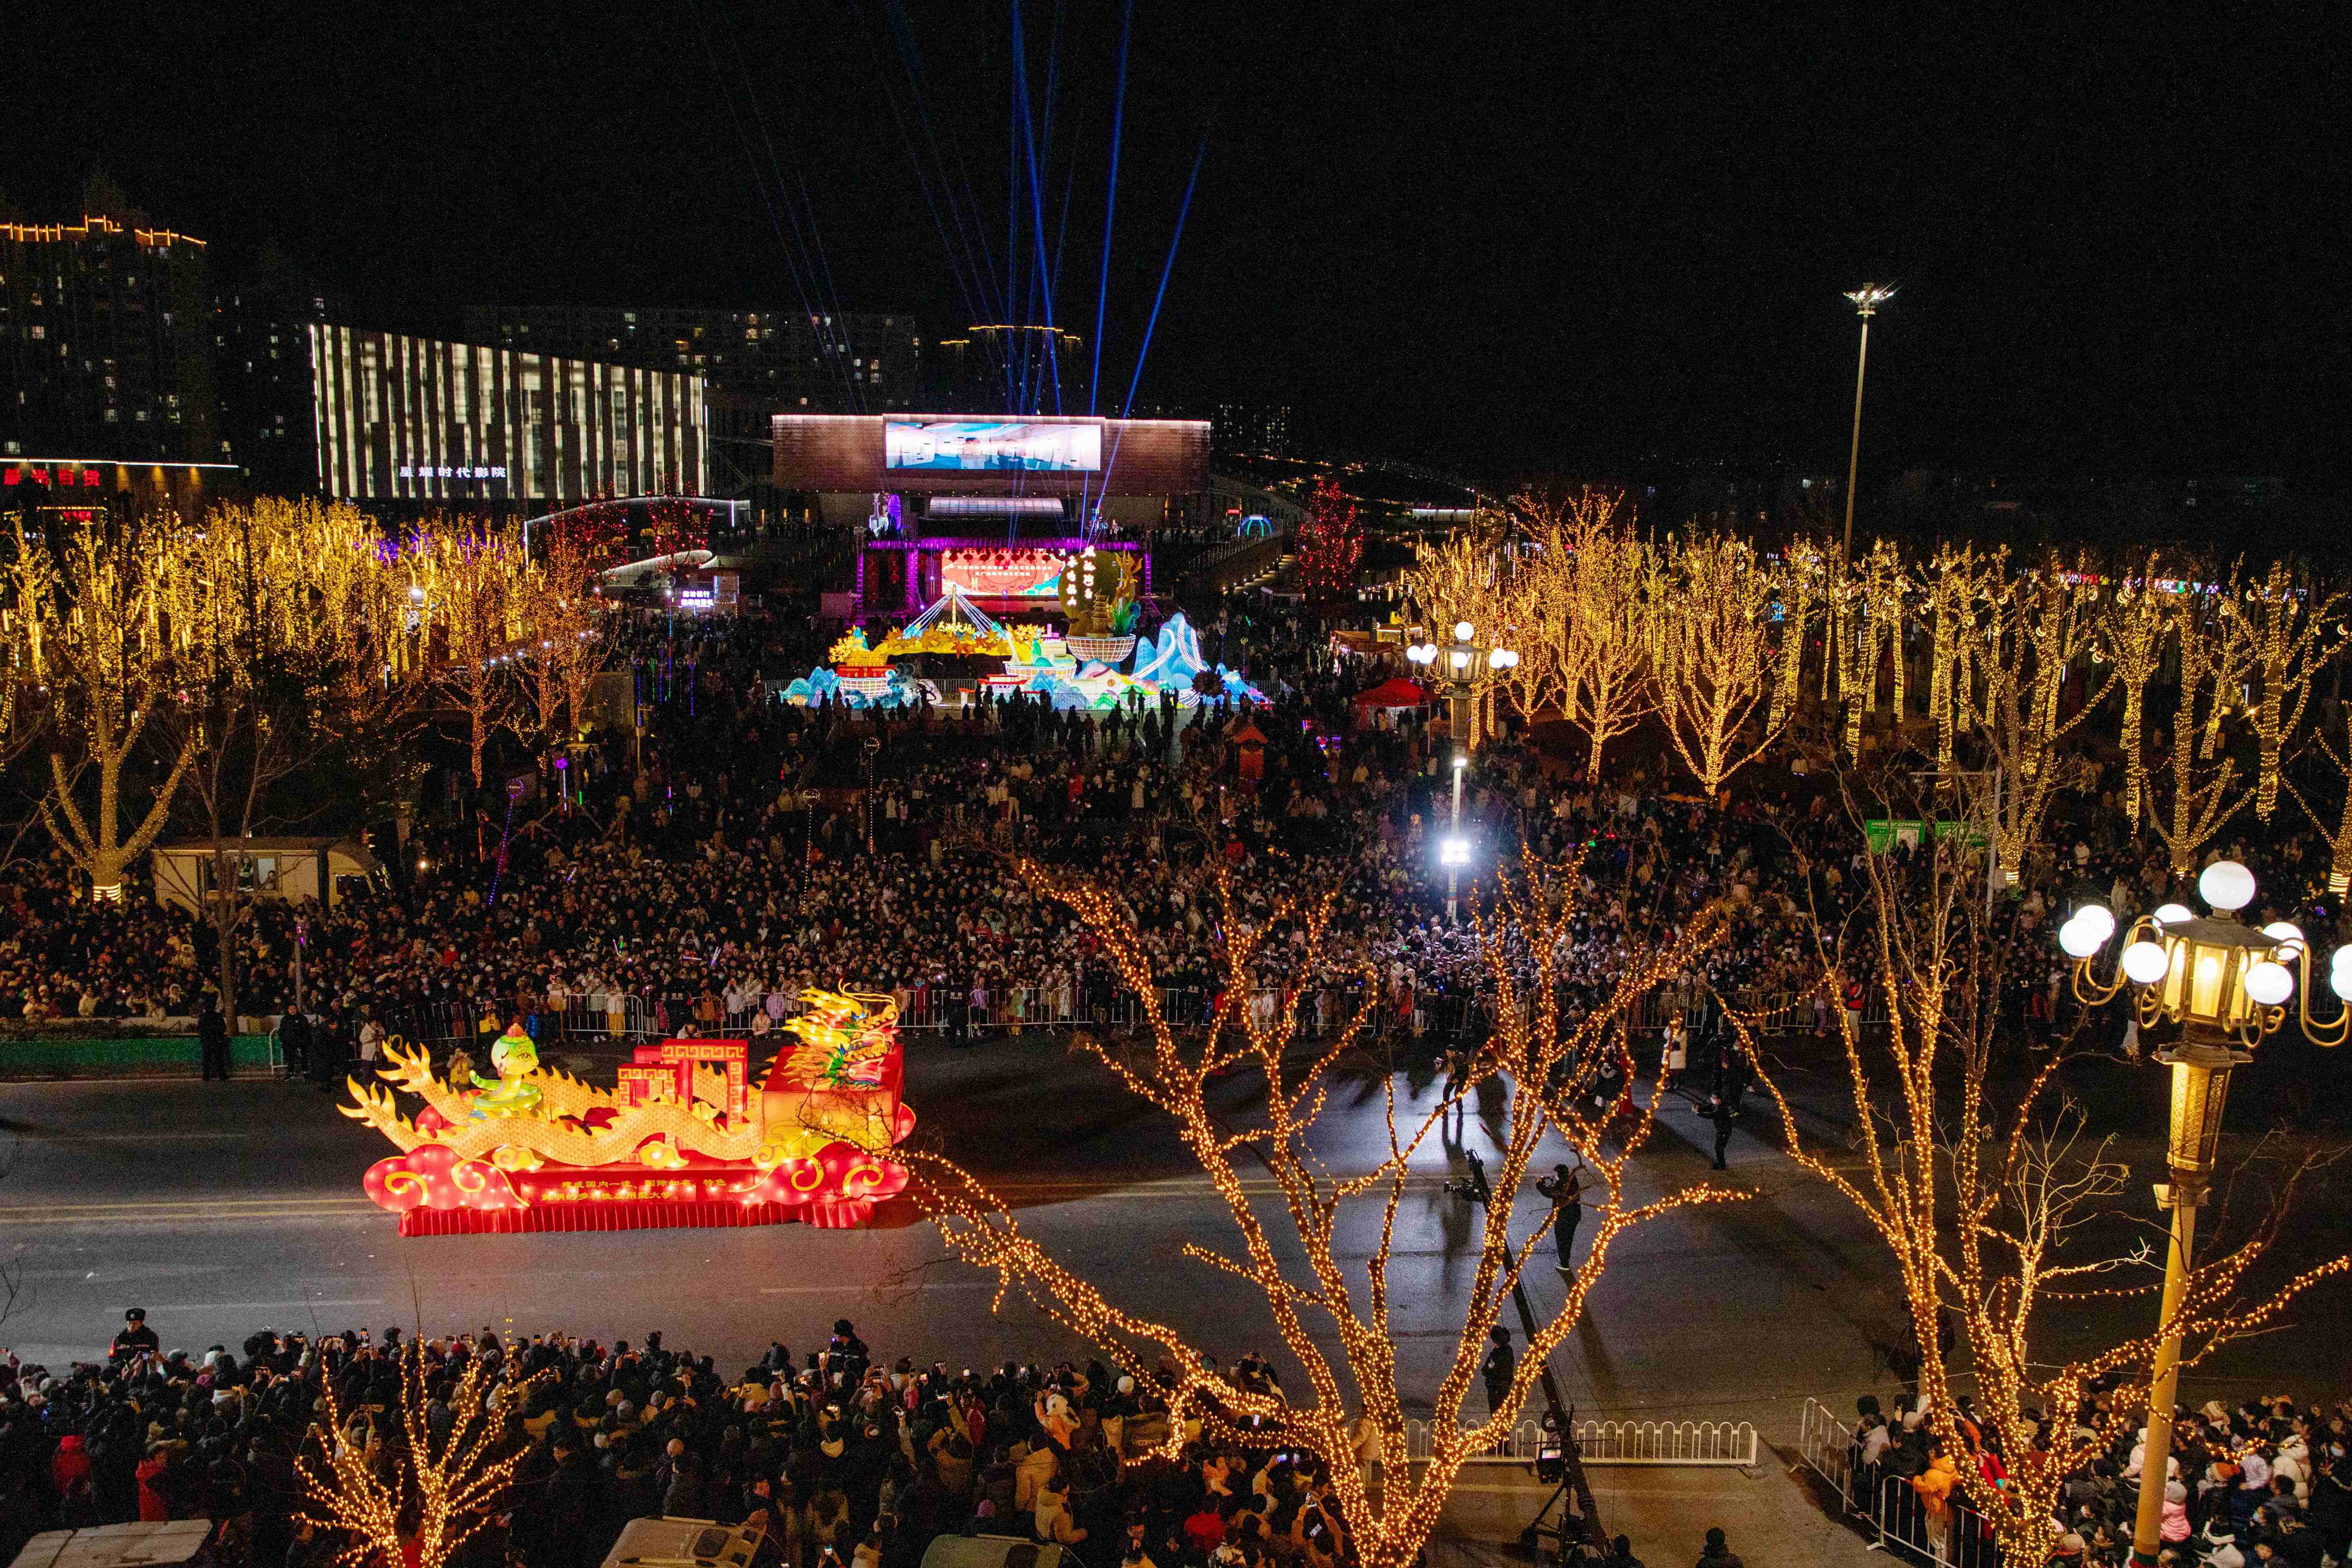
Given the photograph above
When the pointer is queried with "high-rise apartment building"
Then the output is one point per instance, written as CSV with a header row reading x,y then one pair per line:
x,y
420,419
787,361
104,344
1252,429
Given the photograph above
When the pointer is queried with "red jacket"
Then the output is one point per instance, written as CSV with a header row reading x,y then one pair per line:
x,y
153,1510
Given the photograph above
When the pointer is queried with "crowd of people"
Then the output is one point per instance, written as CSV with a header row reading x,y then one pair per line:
x,y
745,849
838,1457
2266,1482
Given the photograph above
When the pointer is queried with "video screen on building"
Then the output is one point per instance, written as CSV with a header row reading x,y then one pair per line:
x,y
981,447
1010,574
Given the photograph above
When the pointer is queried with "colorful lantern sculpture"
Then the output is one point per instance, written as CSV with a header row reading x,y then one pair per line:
x,y
684,1138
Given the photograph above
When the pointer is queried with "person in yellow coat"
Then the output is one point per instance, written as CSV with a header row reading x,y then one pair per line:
x,y
1935,1487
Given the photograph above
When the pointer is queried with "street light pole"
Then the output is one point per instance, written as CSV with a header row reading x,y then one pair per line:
x,y
1459,660
2227,986
1867,300
2201,1079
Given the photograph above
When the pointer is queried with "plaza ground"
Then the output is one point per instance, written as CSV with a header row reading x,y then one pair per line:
x,y
223,1208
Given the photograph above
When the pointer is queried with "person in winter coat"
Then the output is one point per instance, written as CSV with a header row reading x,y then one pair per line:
x,y
2175,1524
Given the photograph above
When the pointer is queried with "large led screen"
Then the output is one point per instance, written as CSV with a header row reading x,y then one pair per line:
x,y
970,446
1010,574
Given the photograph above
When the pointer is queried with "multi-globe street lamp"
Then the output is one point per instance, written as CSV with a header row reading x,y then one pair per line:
x,y
1867,300
2226,985
1462,662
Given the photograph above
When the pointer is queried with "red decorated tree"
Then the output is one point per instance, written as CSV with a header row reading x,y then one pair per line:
x,y
1331,544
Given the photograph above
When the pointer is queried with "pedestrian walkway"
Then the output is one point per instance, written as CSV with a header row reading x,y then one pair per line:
x,y
1767,1517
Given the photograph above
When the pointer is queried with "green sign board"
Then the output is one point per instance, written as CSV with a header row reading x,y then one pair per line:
x,y
1884,833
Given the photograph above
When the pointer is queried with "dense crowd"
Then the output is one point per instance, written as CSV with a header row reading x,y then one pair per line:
x,y
839,1456
702,878
2267,1482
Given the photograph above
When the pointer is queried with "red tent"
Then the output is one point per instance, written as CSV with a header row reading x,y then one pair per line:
x,y
1394,692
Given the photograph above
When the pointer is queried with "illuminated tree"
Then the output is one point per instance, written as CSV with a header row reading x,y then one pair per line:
x,y
105,654
1866,618
2339,832
1460,579
1803,582
1334,1315
1331,544
2033,626
2135,622
2198,788
1957,582
253,676
29,589
360,1482
1978,1175
566,637
1610,629
1715,666
475,607
2293,623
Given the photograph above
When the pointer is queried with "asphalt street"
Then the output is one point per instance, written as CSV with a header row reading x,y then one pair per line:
x,y
221,1208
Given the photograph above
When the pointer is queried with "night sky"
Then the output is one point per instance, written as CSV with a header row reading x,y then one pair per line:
x,y
1535,238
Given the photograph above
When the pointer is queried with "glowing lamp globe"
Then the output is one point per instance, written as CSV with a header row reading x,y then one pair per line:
x,y
2096,918
2172,914
2145,963
2079,939
2269,983
1464,631
1461,660
2341,983
2226,885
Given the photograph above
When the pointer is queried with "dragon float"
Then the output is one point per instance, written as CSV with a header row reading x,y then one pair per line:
x,y
683,1138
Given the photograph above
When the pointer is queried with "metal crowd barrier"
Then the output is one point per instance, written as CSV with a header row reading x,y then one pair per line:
x,y
1896,1513
1724,1444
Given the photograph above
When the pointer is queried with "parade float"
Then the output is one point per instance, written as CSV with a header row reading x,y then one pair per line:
x,y
684,1138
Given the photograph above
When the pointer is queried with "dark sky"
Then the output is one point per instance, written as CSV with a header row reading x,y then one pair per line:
x,y
1527,238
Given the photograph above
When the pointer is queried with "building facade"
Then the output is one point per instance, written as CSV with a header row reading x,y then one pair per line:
x,y
261,374
104,344
788,360
419,419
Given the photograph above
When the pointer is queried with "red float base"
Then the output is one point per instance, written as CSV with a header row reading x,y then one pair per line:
x,y
634,1214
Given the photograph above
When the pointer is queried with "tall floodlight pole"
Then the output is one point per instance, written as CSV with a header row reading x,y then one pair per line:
x,y
1867,300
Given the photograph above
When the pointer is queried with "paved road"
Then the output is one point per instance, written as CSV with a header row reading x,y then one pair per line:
x,y
224,1207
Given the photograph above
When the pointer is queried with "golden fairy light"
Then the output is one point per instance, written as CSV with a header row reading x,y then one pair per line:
x,y
2216,656
1990,1200
567,634
2137,617
2034,626
2292,621
366,1476
109,644
1713,669
1333,1314
1800,583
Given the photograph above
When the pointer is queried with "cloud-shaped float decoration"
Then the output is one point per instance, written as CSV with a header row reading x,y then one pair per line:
x,y
433,1176
841,1172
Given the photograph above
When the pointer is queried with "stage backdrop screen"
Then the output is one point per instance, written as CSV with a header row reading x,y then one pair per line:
x,y
1015,573
978,447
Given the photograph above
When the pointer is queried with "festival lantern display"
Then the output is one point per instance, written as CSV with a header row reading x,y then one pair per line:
x,y
684,1138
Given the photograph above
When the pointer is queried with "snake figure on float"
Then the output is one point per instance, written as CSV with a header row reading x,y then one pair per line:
x,y
682,1139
